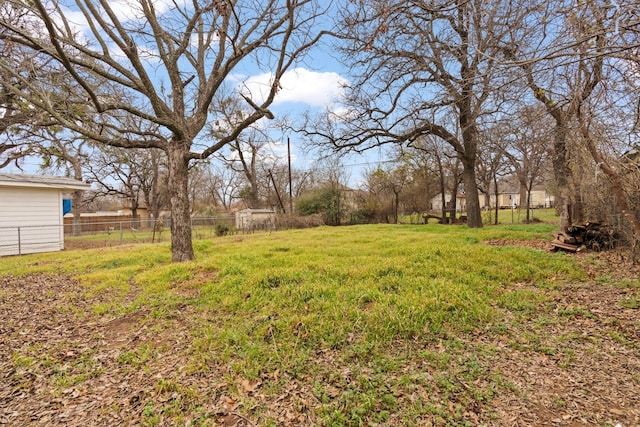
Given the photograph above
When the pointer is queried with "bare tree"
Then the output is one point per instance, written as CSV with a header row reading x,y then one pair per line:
x,y
245,156
565,61
68,152
528,149
133,175
398,179
608,121
492,165
219,186
446,167
153,181
114,173
167,65
423,176
422,68
377,203
562,61
617,181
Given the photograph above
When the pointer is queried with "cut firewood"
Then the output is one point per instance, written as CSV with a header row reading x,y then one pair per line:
x,y
591,235
561,245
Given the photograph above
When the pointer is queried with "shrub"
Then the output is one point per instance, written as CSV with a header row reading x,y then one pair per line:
x,y
222,230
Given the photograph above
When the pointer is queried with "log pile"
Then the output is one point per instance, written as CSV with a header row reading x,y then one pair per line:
x,y
588,235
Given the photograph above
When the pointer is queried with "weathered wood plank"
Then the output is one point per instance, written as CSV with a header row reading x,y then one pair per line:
x,y
559,244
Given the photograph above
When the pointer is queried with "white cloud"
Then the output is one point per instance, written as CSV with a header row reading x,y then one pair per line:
x,y
75,19
126,10
272,153
278,152
339,113
298,85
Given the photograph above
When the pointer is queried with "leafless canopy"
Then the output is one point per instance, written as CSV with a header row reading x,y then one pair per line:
x,y
167,59
162,62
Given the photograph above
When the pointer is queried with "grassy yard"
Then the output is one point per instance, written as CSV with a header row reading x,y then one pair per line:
x,y
358,325
505,216
124,234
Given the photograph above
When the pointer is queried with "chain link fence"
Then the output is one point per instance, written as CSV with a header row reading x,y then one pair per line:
x,y
105,231
112,231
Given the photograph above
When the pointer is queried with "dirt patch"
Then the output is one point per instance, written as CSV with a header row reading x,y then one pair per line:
x,y
119,331
70,244
542,244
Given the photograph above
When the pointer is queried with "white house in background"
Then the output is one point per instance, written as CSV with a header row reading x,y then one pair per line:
x,y
436,202
31,211
510,197
255,219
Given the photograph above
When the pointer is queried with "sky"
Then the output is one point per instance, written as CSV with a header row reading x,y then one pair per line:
x,y
316,84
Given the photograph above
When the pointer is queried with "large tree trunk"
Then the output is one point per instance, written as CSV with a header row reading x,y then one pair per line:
x,y
443,192
561,174
253,199
523,193
181,247
396,206
135,220
474,217
468,157
523,190
577,205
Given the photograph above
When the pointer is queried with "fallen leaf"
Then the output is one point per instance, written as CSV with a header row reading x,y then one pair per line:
x,y
250,386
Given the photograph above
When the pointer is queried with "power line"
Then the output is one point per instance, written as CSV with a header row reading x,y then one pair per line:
x,y
377,162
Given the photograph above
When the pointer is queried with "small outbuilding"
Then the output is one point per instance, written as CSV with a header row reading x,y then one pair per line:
x,y
255,219
31,212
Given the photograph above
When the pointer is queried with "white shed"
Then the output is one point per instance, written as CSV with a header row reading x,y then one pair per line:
x,y
255,219
31,212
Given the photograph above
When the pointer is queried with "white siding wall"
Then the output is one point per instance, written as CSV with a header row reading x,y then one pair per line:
x,y
243,220
33,214
249,219
538,198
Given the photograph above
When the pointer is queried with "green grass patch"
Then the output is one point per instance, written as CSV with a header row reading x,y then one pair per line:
x,y
373,299
632,302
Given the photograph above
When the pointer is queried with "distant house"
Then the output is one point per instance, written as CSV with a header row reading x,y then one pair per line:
x,y
510,192
142,212
507,198
255,219
31,212
541,198
436,202
510,197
